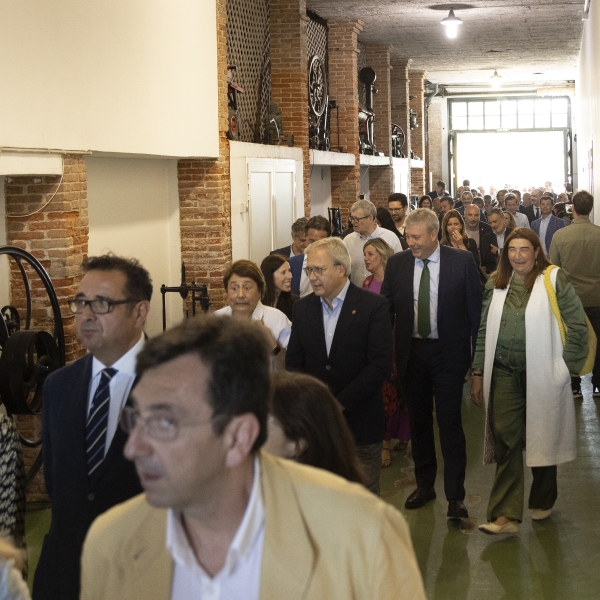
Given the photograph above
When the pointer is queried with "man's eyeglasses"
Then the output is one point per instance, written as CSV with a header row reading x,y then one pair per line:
x,y
357,219
318,271
99,306
158,425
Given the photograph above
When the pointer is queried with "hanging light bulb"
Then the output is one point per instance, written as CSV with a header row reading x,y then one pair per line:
x,y
451,23
496,80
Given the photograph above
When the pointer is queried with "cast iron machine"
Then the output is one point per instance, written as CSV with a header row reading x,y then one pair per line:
x,y
318,101
199,295
366,115
29,353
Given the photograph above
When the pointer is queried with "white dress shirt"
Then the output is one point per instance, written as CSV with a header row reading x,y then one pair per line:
x,y
120,386
273,318
500,239
434,281
521,220
355,243
305,287
239,579
331,316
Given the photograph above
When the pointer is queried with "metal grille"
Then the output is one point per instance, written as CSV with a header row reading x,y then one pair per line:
x,y
248,41
317,40
362,62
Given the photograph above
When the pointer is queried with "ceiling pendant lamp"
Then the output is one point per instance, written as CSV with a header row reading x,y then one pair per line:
x,y
451,23
496,80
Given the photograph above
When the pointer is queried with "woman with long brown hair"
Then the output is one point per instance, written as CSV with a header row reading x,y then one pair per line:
x,y
278,284
454,234
521,371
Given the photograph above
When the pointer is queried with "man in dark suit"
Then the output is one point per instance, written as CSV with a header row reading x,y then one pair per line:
x,y
493,241
342,335
466,200
439,192
84,467
533,211
434,294
548,224
298,240
317,228
474,228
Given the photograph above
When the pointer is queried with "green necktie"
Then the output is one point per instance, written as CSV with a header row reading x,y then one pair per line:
x,y
423,322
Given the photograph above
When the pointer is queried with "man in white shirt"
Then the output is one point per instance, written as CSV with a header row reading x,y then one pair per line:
x,y
363,214
84,468
220,519
511,207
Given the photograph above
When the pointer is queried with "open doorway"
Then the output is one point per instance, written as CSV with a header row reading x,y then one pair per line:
x,y
518,158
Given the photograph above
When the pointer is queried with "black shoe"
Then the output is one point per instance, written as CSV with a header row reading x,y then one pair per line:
x,y
596,392
420,497
457,510
577,393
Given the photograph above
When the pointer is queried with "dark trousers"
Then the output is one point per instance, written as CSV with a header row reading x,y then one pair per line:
x,y
369,457
427,376
593,314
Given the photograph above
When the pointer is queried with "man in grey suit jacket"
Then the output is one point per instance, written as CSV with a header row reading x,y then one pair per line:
x,y
84,467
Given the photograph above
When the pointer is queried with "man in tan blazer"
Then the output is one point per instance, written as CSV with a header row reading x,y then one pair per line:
x,y
220,518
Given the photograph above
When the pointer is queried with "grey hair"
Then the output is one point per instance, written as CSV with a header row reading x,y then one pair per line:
x,y
368,208
299,227
497,211
336,249
423,215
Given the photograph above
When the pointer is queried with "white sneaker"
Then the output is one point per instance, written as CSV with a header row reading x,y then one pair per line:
x,y
537,514
492,528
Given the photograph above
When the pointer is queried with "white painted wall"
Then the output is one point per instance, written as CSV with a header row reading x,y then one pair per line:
x,y
364,182
320,190
587,88
134,76
134,211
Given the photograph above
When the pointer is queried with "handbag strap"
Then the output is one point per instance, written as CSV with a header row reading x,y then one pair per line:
x,y
554,302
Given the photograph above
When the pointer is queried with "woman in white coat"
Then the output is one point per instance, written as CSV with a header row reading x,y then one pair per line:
x,y
521,371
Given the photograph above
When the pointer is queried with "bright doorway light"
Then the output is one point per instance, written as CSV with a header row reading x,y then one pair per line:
x,y
496,80
519,158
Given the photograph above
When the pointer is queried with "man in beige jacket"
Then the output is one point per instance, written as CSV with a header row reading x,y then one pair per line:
x,y
220,518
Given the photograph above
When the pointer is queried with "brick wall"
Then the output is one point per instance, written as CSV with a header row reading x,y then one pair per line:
x,y
381,179
289,75
204,197
58,237
343,88
399,82
434,150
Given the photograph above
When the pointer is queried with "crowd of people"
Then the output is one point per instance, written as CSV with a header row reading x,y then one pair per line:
x,y
256,432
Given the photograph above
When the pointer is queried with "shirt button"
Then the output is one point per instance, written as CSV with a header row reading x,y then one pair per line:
x,y
91,496
328,367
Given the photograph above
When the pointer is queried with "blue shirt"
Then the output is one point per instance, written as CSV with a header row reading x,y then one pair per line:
x,y
331,316
434,281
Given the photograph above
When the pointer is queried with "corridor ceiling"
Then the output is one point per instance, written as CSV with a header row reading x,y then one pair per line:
x,y
531,43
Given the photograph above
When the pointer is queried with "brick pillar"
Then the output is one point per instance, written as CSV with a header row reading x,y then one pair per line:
x,y
399,99
434,149
343,88
58,237
381,180
289,75
417,138
204,197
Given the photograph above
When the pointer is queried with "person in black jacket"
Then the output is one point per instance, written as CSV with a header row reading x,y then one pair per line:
x,y
454,235
434,296
342,335
84,467
278,279
491,243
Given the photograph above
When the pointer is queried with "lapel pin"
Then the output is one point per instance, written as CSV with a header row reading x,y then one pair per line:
x,y
353,312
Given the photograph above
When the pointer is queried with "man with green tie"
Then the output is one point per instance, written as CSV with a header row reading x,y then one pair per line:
x,y
435,296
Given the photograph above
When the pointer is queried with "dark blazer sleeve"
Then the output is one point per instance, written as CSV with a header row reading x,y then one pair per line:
x,y
474,251
46,439
295,358
474,295
489,260
378,364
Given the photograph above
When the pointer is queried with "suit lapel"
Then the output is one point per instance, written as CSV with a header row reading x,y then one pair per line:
x,y
350,308
316,316
445,277
287,538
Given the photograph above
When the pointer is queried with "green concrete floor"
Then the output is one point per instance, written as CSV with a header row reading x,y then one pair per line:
x,y
557,559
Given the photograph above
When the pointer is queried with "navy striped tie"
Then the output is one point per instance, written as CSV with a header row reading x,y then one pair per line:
x,y
97,423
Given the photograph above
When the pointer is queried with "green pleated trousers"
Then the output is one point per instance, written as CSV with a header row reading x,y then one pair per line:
x,y
508,398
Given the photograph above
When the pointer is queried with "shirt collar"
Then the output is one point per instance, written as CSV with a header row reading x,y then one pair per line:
x,y
435,257
581,220
259,312
246,536
545,218
125,364
339,298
